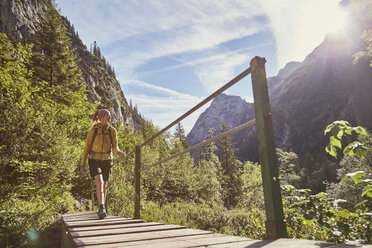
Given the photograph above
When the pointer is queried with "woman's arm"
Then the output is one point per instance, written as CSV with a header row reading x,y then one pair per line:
x,y
86,149
115,146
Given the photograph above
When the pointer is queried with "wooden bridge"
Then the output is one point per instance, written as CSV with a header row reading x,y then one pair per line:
x,y
86,230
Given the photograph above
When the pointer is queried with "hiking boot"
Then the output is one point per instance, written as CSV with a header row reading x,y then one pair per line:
x,y
101,212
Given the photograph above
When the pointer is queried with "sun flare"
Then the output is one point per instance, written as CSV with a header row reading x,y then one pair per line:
x,y
334,20
300,26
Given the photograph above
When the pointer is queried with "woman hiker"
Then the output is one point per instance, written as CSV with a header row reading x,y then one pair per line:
x,y
101,141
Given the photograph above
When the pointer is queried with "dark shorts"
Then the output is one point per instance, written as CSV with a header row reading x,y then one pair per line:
x,y
103,167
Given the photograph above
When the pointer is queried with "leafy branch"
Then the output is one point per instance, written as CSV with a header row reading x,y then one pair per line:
x,y
338,130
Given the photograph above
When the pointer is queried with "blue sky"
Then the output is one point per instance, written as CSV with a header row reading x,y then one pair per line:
x,y
169,55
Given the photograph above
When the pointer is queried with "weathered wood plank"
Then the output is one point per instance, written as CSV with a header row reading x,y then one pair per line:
x,y
86,230
79,215
163,241
99,222
116,226
123,231
95,217
183,242
89,218
283,243
112,239
191,241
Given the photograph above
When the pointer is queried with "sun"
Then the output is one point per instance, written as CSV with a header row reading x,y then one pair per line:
x,y
334,20
311,22
324,17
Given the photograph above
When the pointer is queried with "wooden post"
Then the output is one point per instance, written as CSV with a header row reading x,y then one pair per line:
x,y
275,226
137,183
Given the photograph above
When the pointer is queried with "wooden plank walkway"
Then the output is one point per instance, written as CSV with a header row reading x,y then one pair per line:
x,y
86,230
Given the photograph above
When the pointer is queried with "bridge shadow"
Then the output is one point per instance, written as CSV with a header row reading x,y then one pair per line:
x,y
259,244
282,243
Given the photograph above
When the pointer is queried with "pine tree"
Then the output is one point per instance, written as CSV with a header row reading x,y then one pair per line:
x,y
40,145
230,173
95,48
53,59
208,186
181,136
288,168
209,150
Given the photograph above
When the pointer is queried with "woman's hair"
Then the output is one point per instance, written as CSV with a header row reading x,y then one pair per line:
x,y
96,117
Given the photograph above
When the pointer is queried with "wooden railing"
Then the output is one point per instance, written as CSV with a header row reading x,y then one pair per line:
x,y
275,226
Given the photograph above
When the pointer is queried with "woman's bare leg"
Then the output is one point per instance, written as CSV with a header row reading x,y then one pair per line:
x,y
99,188
105,190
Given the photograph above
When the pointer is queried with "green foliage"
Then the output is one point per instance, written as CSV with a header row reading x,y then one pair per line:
x,y
230,172
208,217
172,180
252,187
40,146
208,186
338,129
322,218
362,9
288,168
357,158
347,189
178,193
179,134
359,178
367,37
96,51
53,59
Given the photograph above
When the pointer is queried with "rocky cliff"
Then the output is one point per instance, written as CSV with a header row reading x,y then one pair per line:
x,y
18,20
230,110
305,98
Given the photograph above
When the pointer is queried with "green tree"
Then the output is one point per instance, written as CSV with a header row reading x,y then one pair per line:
x,y
40,146
288,168
53,59
362,9
252,187
208,186
179,134
356,157
230,173
171,181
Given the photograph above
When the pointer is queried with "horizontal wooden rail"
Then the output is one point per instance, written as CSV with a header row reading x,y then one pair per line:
x,y
275,225
206,100
204,143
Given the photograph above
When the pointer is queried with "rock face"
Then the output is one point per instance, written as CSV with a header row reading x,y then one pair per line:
x,y
102,87
230,110
326,87
305,98
18,20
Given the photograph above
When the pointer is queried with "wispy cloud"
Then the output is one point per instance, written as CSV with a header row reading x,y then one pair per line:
x,y
215,69
163,109
161,28
133,33
220,69
112,21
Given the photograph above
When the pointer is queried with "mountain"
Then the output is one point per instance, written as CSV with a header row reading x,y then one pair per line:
x,y
230,110
305,97
18,20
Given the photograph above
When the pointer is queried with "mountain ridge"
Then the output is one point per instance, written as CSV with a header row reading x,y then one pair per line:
x,y
306,97
18,20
